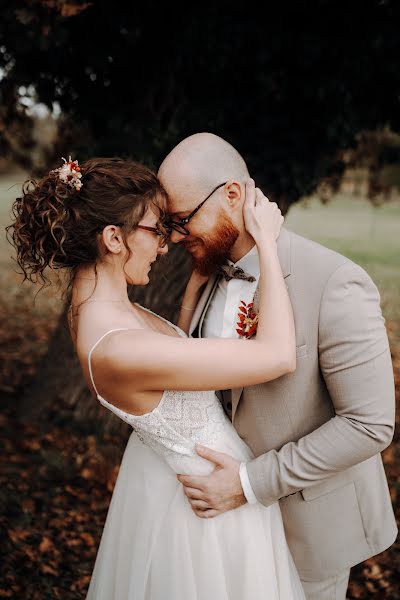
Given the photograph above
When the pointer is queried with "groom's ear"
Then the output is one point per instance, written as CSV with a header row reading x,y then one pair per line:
x,y
234,194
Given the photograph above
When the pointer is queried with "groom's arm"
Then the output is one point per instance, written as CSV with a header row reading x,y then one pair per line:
x,y
355,362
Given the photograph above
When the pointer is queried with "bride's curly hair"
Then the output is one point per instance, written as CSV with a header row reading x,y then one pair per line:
x,y
59,227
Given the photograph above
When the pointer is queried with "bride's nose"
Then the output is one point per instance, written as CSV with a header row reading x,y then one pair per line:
x,y
176,236
163,250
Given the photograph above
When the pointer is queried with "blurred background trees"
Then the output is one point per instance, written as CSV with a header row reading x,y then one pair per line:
x,y
291,87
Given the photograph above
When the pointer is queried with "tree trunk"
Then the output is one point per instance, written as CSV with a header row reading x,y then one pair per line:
x,y
59,392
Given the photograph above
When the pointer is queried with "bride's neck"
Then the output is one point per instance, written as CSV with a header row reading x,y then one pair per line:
x,y
101,286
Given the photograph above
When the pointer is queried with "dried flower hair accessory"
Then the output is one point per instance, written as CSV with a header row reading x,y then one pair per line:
x,y
246,325
69,173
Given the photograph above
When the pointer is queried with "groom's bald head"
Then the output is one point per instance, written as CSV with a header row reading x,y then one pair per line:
x,y
198,164
190,173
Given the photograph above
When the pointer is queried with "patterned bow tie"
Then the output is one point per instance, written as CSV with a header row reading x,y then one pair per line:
x,y
232,272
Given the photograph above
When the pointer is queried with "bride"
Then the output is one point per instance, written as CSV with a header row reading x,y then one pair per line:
x,y
102,222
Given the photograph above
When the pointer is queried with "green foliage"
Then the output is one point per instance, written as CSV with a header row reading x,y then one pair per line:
x,y
290,88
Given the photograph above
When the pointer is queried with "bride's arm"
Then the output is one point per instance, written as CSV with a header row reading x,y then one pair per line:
x,y
152,361
190,299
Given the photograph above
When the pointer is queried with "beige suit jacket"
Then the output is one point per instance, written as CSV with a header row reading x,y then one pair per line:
x,y
317,433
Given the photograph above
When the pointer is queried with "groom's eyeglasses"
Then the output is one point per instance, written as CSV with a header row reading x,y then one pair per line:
x,y
179,226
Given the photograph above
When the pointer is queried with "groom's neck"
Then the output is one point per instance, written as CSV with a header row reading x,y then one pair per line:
x,y
241,247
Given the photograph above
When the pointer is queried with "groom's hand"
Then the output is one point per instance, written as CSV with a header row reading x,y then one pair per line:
x,y
214,494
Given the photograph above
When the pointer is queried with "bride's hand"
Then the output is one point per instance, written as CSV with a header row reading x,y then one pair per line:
x,y
262,218
197,280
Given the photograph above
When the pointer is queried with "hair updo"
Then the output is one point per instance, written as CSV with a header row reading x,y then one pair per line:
x,y
57,226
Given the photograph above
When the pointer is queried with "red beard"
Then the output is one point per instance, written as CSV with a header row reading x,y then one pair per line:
x,y
216,247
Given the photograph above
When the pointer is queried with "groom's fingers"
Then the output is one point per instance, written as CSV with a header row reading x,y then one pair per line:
x,y
193,493
191,481
207,514
218,458
199,505
260,196
250,188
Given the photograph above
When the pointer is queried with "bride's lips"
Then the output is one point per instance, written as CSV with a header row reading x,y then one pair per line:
x,y
151,262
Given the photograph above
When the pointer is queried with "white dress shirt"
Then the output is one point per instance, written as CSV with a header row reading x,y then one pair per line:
x,y
221,321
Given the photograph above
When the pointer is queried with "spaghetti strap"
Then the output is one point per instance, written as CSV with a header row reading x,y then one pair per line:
x,y
94,346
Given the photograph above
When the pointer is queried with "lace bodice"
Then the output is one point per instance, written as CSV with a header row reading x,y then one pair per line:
x,y
181,419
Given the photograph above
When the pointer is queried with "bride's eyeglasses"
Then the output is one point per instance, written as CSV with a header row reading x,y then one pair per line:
x,y
161,231
179,226
162,234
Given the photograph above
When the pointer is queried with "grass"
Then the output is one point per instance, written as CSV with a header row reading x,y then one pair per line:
x,y
368,235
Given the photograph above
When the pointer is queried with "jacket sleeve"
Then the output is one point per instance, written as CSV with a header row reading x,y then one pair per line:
x,y
355,361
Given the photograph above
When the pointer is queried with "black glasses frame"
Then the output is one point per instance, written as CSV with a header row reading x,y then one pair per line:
x,y
179,226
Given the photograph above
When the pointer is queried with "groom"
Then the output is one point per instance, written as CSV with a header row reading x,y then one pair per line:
x,y
317,433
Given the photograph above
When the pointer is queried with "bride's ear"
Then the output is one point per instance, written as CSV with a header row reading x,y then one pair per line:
x,y
112,239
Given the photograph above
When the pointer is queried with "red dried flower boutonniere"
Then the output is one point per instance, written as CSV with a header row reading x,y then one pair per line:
x,y
247,320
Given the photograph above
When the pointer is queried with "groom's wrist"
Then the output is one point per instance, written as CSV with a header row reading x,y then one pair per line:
x,y
246,485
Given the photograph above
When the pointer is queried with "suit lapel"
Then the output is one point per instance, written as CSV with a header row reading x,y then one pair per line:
x,y
202,305
207,304
283,245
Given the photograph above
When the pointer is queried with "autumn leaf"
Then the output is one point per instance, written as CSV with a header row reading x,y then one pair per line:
x,y
46,545
88,539
18,535
32,444
48,569
71,9
28,505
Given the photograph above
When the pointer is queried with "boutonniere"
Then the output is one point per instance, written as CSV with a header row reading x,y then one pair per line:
x,y
247,320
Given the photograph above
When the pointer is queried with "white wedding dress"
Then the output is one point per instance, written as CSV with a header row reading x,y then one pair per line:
x,y
153,547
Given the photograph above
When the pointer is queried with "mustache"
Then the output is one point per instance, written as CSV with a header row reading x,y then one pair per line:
x,y
185,243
